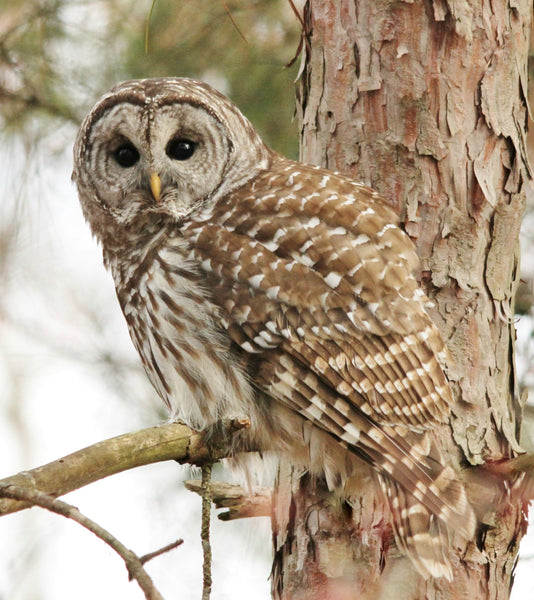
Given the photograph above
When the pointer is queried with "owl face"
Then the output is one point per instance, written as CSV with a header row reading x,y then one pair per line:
x,y
161,147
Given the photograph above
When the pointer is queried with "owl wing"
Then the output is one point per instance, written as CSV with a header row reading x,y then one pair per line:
x,y
325,278
316,283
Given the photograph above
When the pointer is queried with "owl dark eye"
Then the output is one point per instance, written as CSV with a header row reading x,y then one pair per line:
x,y
180,149
126,155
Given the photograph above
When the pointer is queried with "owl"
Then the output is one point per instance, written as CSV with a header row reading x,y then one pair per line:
x,y
256,286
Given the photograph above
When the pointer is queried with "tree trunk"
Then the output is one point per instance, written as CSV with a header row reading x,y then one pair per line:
x,y
424,101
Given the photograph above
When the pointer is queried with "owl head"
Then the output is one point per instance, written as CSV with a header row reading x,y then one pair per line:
x,y
161,149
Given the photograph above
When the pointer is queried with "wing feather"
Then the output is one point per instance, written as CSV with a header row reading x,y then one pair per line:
x,y
345,292
317,287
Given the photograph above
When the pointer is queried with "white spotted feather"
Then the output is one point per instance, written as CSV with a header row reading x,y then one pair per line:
x,y
255,286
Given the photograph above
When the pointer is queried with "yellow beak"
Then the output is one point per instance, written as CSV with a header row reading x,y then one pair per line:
x,y
155,186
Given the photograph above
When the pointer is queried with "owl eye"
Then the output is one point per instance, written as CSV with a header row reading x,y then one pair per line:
x,y
126,155
180,149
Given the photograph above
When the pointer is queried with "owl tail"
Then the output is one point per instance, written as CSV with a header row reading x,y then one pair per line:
x,y
425,537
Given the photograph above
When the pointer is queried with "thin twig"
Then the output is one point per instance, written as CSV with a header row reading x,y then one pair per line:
x,y
146,557
297,14
205,532
233,21
304,47
132,561
147,28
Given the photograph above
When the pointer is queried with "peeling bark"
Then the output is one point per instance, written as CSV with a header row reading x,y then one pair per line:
x,y
426,102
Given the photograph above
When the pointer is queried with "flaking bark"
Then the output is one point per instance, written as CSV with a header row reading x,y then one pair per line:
x,y
426,102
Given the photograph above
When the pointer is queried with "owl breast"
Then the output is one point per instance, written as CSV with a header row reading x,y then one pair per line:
x,y
175,328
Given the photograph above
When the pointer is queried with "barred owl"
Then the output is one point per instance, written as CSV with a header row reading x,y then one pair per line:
x,y
255,286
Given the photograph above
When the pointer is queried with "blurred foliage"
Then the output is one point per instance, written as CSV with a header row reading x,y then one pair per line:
x,y
58,56
246,42
30,81
524,298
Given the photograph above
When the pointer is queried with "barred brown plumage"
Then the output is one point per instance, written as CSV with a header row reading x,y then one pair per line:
x,y
257,286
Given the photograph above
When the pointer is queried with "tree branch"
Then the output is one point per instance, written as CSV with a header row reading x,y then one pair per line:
x,y
205,532
487,485
241,503
132,561
170,441
146,557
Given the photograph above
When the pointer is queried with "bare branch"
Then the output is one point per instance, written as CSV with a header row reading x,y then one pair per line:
x,y
229,13
170,441
487,485
150,555
240,502
132,561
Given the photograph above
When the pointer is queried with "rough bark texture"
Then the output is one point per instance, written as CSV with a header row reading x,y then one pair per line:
x,y
426,102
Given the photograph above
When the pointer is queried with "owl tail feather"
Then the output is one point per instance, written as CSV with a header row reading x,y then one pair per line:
x,y
426,538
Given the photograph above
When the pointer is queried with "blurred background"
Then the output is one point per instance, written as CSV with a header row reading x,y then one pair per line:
x,y
69,376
